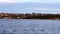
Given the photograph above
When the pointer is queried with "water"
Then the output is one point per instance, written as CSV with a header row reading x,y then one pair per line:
x,y
26,26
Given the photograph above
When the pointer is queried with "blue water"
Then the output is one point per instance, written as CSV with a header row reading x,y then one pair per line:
x,y
26,26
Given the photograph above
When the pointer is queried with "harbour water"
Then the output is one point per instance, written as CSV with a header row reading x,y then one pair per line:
x,y
29,26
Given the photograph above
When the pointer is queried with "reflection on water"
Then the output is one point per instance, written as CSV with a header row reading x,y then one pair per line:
x,y
29,26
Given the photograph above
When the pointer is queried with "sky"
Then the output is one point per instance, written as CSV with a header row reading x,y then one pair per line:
x,y
22,1
29,6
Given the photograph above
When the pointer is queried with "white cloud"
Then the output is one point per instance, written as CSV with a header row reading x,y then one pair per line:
x,y
46,9
40,10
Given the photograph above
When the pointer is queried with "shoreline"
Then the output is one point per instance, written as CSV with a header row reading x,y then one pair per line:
x,y
30,16
36,19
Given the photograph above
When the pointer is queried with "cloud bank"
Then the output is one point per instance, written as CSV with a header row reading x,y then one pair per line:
x,y
32,10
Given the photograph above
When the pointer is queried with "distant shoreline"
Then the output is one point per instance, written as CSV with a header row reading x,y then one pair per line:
x,y
37,19
30,16
34,19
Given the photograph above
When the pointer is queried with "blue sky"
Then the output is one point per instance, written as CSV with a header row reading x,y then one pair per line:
x,y
39,1
30,6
